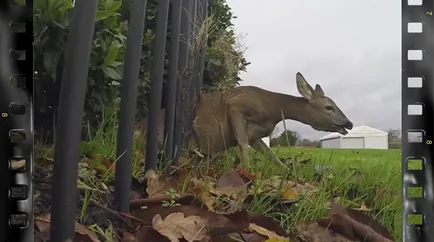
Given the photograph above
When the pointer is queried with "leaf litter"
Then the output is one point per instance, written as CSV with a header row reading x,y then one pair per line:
x,y
213,208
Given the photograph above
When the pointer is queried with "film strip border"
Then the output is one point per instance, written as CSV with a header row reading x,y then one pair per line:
x,y
417,120
19,15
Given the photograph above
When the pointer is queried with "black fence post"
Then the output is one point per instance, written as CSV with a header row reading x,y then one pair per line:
x,y
204,15
128,104
182,65
169,124
197,26
154,102
68,135
192,71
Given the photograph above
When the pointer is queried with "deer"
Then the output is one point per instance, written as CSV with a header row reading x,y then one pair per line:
x,y
243,115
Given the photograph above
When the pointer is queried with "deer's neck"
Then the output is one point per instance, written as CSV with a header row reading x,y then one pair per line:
x,y
295,108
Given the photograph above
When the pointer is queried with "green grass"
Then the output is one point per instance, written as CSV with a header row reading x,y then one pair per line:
x,y
356,177
365,176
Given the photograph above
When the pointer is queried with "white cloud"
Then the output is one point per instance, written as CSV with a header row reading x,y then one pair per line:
x,y
352,49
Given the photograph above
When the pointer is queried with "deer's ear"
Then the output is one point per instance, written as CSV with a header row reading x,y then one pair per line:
x,y
319,90
303,87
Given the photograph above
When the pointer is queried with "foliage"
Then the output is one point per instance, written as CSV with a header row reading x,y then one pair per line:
x,y
308,142
225,52
394,138
287,138
394,135
51,23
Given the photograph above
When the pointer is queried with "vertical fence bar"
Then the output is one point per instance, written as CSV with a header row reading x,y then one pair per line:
x,y
198,50
204,16
154,102
192,71
128,104
169,124
68,129
182,65
194,27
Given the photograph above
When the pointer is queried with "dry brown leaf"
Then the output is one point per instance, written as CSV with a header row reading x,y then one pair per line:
x,y
355,225
290,194
246,175
231,185
217,224
363,208
241,236
201,190
274,239
82,233
183,199
312,232
269,223
148,234
175,226
158,185
128,237
263,231
43,222
288,190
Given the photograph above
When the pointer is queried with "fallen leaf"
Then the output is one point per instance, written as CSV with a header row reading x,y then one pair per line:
x,y
82,234
246,175
313,232
158,185
175,226
363,208
274,239
183,199
269,223
128,237
289,194
355,225
148,234
217,224
202,190
241,236
231,185
263,231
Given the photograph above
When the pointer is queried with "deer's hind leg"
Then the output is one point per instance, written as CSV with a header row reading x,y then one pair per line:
x,y
260,146
238,124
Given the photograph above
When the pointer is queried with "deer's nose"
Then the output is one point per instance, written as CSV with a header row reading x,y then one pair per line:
x,y
349,125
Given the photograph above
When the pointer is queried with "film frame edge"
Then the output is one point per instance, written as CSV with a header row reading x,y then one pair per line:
x,y
418,217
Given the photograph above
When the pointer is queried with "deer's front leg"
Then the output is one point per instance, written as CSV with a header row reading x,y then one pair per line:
x,y
238,125
261,147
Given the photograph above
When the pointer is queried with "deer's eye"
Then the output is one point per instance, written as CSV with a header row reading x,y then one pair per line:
x,y
329,108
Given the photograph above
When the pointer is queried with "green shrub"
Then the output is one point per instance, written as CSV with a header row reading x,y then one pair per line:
x,y
51,23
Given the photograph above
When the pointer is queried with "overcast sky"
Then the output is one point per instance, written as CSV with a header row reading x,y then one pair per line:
x,y
351,48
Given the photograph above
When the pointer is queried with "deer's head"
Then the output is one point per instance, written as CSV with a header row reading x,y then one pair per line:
x,y
324,114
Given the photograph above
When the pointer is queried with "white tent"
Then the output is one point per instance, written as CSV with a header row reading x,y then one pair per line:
x,y
266,140
361,137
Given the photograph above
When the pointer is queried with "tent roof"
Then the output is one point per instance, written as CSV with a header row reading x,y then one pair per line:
x,y
359,131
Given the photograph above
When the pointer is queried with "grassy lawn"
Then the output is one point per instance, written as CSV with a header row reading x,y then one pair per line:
x,y
360,178
368,180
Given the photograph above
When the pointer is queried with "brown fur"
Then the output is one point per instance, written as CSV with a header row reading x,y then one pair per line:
x,y
243,115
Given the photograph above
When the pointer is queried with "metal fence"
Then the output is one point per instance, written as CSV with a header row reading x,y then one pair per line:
x,y
183,87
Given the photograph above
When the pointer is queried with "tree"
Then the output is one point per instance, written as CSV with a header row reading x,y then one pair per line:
x,y
394,138
287,138
223,60
308,142
394,135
